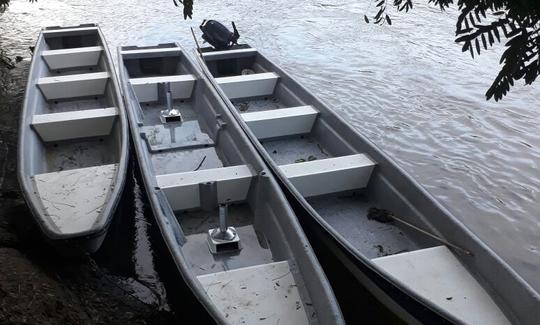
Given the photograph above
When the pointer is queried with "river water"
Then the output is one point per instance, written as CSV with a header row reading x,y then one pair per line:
x,y
407,87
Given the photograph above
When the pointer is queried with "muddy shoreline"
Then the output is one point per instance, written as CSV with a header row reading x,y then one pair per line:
x,y
36,285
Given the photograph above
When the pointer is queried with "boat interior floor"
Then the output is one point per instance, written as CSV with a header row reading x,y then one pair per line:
x,y
347,213
83,153
258,104
294,149
254,245
77,104
177,147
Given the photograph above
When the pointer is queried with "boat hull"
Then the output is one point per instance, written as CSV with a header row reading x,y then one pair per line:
x,y
72,153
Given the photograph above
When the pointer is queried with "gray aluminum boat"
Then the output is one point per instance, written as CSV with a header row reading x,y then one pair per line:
x,y
357,204
254,266
73,138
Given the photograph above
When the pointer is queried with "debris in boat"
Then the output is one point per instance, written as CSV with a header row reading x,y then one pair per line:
x,y
449,298
200,164
247,71
243,107
299,160
380,215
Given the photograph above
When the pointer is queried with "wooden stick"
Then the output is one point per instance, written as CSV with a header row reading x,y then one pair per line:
x,y
431,235
196,42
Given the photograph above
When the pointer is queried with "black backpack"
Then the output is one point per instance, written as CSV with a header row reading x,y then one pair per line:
x,y
218,35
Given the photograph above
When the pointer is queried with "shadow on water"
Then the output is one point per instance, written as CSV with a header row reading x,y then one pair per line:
x,y
134,248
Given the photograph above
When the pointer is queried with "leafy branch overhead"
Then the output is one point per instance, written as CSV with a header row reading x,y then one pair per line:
x,y
188,7
483,23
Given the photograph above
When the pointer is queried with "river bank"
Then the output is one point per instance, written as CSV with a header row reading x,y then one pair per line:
x,y
36,285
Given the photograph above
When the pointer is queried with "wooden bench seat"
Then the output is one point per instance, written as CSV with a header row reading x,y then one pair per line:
x,y
182,189
75,124
73,57
281,122
146,88
249,85
72,86
330,175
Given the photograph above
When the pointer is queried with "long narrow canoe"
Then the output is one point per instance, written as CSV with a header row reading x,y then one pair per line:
x,y
73,138
384,228
196,164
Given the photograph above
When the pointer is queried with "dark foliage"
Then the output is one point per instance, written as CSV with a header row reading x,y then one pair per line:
x,y
187,4
483,23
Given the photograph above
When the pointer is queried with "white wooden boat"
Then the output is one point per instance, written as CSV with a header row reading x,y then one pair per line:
x,y
73,138
198,166
358,206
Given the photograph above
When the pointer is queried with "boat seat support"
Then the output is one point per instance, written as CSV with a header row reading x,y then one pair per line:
x,y
281,122
75,124
72,58
146,88
182,189
330,175
71,86
251,85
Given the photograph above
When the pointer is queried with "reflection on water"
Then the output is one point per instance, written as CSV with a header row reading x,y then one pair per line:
x,y
407,87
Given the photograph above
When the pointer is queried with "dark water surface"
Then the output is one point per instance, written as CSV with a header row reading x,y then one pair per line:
x,y
407,87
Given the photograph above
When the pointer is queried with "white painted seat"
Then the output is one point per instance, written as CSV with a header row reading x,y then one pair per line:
x,y
160,50
250,85
261,294
221,55
330,175
73,199
182,189
76,85
75,124
281,122
437,275
57,32
146,88
71,58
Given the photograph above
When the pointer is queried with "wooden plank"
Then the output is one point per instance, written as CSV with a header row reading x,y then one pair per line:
x,y
250,85
75,85
261,294
330,175
182,189
71,58
146,88
74,125
281,122
437,275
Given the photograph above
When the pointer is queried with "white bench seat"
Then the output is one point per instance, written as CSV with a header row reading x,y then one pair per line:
x,y
249,85
281,122
182,189
75,85
146,88
75,31
159,50
221,55
260,294
75,124
438,276
330,175
72,58
74,199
